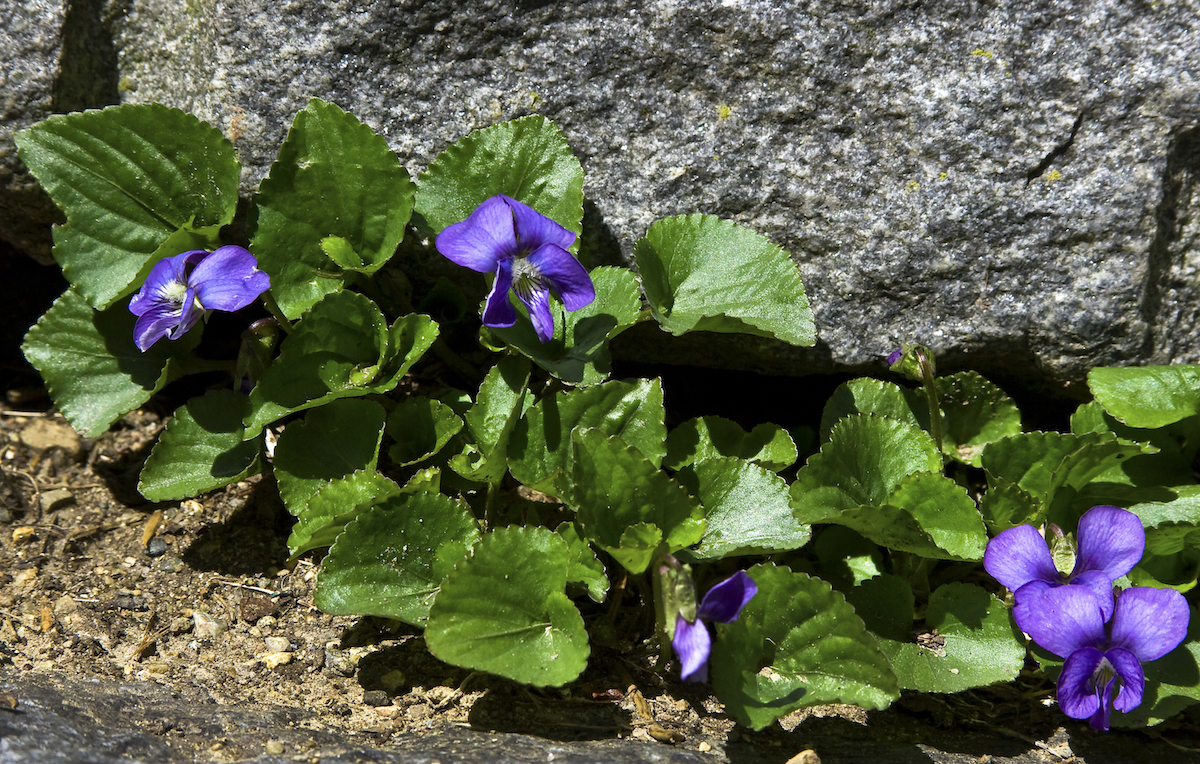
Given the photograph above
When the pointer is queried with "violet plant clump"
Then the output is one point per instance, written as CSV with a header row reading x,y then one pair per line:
x,y
858,535
182,289
527,253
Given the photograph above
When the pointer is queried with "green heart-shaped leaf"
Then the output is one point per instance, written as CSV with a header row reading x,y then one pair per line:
x,y
201,449
331,442
702,273
127,178
527,159
94,372
539,452
392,559
325,514
336,197
421,427
504,610
747,510
617,488
1147,396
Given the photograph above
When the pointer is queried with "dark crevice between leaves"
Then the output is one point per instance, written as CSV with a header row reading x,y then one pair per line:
x,y
1171,218
87,68
1035,172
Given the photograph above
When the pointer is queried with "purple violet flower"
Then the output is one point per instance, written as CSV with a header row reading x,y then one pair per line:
x,y
894,356
528,253
723,603
1146,624
1111,541
181,289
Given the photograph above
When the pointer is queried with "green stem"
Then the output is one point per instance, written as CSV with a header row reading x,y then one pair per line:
x,y
489,505
931,397
273,307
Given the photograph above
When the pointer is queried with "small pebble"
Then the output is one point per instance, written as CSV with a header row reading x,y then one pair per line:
x,y
208,627
440,695
253,608
57,498
275,660
170,564
157,547
274,747
339,663
376,698
127,600
44,434
419,712
278,644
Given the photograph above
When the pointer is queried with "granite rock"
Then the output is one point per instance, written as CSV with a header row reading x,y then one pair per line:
x,y
1010,184
59,57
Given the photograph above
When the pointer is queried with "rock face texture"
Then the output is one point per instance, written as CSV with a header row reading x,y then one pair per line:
x,y
1012,184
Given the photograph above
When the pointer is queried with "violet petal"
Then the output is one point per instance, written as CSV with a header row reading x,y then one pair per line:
x,y
692,644
1077,696
1098,583
1149,622
228,279
154,323
566,274
1111,539
167,275
539,313
498,312
483,239
1019,555
724,602
1063,619
535,229
1133,681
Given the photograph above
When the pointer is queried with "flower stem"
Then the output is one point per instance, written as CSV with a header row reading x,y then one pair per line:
x,y
931,397
272,306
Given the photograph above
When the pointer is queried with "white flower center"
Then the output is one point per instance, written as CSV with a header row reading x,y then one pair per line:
x,y
527,279
174,292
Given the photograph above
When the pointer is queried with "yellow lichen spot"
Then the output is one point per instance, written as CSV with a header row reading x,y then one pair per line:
x,y
943,176
912,186
981,52
1053,175
724,112
535,100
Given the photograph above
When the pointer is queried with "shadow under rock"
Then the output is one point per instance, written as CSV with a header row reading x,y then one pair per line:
x,y
512,708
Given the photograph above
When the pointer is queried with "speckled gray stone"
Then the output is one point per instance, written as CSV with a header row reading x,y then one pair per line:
x,y
1012,184
58,57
